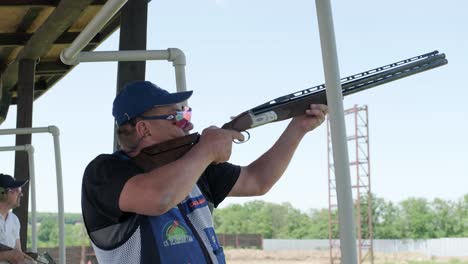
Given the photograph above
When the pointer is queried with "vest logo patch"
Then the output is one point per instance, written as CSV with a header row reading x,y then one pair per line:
x,y
193,203
175,233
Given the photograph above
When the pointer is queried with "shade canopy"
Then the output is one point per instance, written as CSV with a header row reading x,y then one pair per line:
x,y
40,30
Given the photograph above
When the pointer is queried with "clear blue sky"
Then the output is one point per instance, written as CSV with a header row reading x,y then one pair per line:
x,y
244,53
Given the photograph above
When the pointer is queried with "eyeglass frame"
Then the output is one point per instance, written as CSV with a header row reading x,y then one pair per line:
x,y
169,117
135,120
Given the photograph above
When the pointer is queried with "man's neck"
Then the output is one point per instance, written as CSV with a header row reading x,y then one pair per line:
x,y
4,210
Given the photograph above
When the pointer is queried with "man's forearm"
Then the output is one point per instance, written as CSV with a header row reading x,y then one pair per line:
x,y
4,256
157,191
269,167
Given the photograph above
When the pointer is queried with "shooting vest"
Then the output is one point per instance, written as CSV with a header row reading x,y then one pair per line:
x,y
184,234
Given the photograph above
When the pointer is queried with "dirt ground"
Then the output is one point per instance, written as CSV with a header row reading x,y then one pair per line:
x,y
253,256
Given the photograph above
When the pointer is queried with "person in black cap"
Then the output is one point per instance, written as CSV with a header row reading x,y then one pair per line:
x,y
162,216
10,196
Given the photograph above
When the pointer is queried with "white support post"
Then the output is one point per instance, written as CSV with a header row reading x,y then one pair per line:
x,y
338,132
58,168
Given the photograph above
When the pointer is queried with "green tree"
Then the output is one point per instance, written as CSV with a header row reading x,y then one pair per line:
x,y
270,220
387,220
417,219
444,218
48,233
461,216
320,224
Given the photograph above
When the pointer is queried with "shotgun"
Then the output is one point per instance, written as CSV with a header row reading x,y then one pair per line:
x,y
292,105
39,258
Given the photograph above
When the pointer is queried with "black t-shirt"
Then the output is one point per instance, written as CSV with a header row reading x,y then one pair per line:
x,y
105,177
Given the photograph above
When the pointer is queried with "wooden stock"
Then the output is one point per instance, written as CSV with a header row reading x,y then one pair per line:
x,y
161,154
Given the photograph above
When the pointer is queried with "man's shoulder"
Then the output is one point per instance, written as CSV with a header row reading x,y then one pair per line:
x,y
13,218
107,167
103,159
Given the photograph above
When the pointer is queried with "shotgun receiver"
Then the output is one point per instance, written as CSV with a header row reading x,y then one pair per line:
x,y
292,105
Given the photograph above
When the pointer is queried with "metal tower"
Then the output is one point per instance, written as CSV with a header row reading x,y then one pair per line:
x,y
357,120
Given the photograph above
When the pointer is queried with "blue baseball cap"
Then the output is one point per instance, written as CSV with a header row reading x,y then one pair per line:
x,y
8,182
140,96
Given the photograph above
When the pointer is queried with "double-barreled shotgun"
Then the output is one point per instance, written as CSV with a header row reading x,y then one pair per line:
x,y
294,104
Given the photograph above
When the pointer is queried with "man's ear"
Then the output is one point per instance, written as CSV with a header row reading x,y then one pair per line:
x,y
142,129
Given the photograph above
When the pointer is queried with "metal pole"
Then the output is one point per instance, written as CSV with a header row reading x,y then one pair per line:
x,y
58,171
338,132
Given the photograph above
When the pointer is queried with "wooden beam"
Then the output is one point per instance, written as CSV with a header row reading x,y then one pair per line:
x,y
25,23
28,19
30,3
63,16
51,68
4,102
40,87
24,119
40,3
133,25
133,30
21,38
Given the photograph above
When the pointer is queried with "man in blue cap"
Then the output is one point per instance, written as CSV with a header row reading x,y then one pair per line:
x,y
162,216
10,196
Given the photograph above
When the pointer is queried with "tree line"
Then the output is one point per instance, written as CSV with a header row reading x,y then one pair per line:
x,y
413,218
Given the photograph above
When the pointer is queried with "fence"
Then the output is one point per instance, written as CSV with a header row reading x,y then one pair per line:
x,y
442,247
241,240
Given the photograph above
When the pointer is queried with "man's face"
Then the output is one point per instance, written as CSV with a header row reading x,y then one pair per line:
x,y
14,197
165,129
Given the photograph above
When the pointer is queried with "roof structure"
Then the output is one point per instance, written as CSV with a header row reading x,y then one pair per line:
x,y
40,30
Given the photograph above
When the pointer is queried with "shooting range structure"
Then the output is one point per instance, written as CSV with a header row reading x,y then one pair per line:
x,y
32,35
37,35
357,120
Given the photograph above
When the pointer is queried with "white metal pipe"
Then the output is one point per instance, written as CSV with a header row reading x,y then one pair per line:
x,y
338,132
122,55
97,23
58,170
176,56
32,184
180,78
58,167
29,149
22,131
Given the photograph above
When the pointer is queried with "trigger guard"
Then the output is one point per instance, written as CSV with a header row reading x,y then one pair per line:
x,y
247,138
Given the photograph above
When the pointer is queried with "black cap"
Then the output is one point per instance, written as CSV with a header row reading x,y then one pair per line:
x,y
8,182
